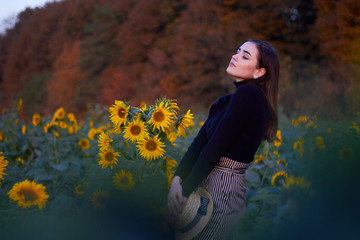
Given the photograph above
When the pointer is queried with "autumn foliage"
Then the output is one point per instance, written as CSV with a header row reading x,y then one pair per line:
x,y
75,52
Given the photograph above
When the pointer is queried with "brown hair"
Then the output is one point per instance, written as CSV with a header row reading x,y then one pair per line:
x,y
268,83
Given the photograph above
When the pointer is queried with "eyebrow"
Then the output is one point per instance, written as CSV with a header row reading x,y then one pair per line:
x,y
239,49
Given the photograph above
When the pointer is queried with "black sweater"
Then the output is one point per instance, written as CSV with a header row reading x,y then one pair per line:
x,y
234,129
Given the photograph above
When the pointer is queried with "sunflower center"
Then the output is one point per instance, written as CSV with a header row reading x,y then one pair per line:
x,y
83,143
30,196
159,116
109,156
121,112
135,130
151,145
124,181
101,200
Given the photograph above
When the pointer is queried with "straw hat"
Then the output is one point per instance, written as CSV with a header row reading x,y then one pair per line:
x,y
195,214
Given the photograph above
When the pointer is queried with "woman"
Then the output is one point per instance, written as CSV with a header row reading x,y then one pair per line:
x,y
226,143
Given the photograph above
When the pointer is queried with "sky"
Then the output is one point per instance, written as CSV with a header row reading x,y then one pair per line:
x,y
10,8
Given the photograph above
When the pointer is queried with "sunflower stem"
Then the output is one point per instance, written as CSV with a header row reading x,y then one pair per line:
x,y
264,175
55,151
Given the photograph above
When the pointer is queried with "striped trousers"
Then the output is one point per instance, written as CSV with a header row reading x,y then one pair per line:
x,y
226,185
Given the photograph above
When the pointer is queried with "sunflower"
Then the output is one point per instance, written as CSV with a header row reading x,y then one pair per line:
x,y
278,140
150,148
3,164
174,107
23,129
276,175
100,199
161,117
70,130
59,114
104,140
108,157
19,105
170,164
81,188
136,131
171,136
92,133
1,136
72,118
28,193
36,119
20,160
186,121
84,144
123,180
63,124
50,126
118,113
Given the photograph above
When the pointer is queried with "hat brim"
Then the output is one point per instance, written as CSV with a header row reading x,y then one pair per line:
x,y
195,230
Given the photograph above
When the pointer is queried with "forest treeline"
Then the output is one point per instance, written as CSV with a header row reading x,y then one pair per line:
x,y
79,52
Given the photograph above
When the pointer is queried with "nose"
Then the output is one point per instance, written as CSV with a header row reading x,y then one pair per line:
x,y
235,57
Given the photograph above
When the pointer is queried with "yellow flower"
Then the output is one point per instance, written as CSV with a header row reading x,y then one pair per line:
x,y
36,119
185,122
143,106
328,130
1,136
259,159
201,123
298,146
63,124
309,124
92,133
59,114
356,129
20,160
108,157
278,140
277,154
161,117
71,117
151,148
118,113
298,181
320,142
173,106
123,180
70,130
171,136
84,144
23,129
81,188
104,140
50,126
19,105
300,120
136,131
100,199
276,175
28,193
3,164
346,154
170,164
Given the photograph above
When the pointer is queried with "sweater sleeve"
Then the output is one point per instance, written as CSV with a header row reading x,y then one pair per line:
x,y
241,112
199,142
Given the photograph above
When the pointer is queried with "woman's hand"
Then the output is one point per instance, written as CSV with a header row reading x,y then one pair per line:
x,y
175,198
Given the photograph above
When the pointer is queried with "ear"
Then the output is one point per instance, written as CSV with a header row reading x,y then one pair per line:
x,y
259,72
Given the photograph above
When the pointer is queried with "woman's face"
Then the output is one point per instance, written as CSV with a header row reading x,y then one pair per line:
x,y
244,62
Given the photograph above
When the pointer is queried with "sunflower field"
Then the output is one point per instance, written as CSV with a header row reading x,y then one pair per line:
x,y
108,174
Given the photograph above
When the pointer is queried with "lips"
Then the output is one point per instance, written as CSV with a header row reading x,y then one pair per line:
x,y
232,64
